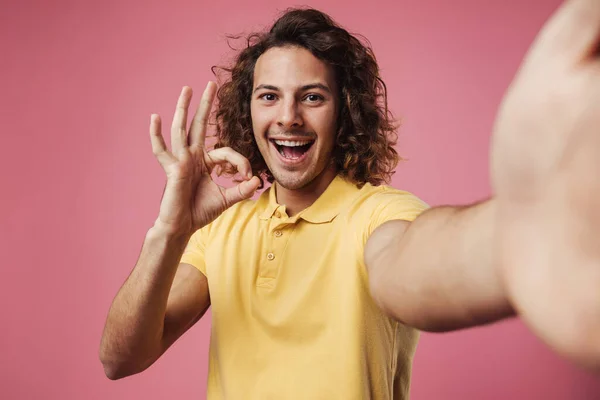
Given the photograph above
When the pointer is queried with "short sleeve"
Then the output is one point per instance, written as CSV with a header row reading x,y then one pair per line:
x,y
194,251
394,204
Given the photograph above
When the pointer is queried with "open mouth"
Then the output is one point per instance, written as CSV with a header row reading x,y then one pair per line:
x,y
293,150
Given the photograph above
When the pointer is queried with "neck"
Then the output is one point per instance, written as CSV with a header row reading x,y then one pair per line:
x,y
296,200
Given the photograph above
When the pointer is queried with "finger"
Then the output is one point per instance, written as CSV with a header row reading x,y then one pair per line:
x,y
224,167
227,154
159,148
200,121
178,128
242,191
570,35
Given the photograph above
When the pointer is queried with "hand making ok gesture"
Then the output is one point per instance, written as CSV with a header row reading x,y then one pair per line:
x,y
191,198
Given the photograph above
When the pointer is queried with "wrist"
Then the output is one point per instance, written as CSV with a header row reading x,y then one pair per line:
x,y
169,231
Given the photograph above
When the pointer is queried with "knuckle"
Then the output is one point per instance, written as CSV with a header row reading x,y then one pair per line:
x,y
201,119
205,101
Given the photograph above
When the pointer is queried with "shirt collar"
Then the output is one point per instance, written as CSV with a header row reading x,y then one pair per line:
x,y
323,210
269,203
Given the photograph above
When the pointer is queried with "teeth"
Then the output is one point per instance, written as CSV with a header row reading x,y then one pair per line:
x,y
291,143
288,157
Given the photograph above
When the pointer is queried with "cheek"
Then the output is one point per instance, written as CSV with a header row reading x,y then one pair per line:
x,y
260,120
327,127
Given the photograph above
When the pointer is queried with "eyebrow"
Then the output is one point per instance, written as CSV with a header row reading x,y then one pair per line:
x,y
302,88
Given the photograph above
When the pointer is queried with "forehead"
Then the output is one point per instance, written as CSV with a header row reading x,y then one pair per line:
x,y
290,67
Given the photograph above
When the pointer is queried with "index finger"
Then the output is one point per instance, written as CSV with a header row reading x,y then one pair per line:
x,y
198,128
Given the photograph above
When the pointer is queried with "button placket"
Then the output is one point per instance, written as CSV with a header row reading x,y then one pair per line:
x,y
275,245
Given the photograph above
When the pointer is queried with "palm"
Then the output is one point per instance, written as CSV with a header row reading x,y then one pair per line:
x,y
546,133
192,199
546,154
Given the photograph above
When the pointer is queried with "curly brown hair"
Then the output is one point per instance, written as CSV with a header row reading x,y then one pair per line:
x,y
364,150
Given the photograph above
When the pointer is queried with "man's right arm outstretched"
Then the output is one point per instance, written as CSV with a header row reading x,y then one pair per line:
x,y
162,298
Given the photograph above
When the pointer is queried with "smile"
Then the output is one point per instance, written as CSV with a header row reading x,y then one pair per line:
x,y
292,151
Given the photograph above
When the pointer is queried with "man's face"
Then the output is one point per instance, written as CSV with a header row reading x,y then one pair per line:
x,y
294,112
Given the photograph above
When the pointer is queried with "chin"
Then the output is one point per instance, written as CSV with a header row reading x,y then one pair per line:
x,y
292,181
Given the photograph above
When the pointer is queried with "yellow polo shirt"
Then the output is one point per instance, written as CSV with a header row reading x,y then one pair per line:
x,y
292,316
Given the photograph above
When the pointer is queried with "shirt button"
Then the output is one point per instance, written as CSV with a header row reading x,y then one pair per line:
x,y
270,256
277,233
277,214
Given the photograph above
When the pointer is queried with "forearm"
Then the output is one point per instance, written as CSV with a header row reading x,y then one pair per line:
x,y
441,274
134,327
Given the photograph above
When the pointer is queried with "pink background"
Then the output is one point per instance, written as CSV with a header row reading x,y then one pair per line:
x,y
80,186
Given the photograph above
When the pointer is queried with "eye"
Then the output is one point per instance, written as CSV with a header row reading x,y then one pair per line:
x,y
314,98
268,97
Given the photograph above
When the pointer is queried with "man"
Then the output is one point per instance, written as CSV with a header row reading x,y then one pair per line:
x,y
297,313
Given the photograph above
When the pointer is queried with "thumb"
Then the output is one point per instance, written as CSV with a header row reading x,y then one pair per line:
x,y
569,36
244,190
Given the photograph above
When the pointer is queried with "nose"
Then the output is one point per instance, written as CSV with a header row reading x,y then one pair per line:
x,y
289,115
